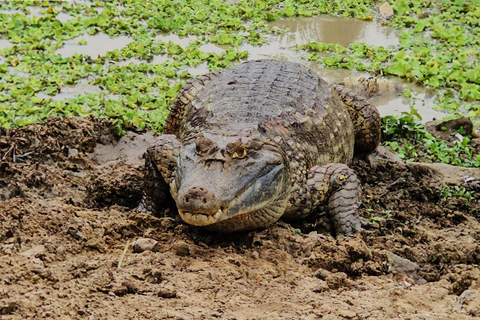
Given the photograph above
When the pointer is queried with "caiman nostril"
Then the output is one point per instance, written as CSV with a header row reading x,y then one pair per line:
x,y
197,199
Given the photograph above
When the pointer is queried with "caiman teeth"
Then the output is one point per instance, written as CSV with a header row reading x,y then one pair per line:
x,y
200,219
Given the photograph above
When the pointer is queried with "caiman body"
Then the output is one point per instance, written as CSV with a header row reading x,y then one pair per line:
x,y
266,139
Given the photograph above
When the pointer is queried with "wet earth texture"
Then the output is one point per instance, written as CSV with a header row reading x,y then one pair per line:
x,y
68,192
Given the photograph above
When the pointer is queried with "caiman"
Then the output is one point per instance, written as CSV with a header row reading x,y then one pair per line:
x,y
263,140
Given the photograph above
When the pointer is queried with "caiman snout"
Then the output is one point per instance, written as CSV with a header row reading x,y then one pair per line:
x,y
198,200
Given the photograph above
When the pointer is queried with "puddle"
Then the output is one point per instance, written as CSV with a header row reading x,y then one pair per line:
x,y
160,59
343,31
64,17
181,41
97,45
18,73
131,60
4,43
198,70
67,92
396,104
275,50
210,47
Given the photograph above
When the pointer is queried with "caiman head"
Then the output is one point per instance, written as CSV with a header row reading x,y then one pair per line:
x,y
229,183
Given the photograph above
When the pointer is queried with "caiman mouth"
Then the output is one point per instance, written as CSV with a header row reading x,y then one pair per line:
x,y
244,203
200,219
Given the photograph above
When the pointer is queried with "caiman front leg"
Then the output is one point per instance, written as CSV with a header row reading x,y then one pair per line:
x,y
160,169
336,187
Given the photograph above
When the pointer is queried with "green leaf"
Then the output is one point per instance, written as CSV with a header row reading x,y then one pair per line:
x,y
400,68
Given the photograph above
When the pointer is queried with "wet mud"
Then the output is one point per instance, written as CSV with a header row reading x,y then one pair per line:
x,y
72,246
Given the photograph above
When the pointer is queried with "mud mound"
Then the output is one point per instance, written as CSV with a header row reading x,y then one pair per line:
x,y
68,228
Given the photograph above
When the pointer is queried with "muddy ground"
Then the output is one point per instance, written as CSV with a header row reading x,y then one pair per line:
x,y
68,223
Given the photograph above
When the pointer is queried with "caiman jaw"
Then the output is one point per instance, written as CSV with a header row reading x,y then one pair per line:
x,y
244,203
200,219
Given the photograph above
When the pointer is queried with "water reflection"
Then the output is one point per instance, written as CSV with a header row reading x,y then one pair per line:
x,y
327,29
343,31
181,41
97,45
395,104
80,88
275,50
198,70
4,43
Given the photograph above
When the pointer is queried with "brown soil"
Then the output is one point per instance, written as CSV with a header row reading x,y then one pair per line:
x,y
68,223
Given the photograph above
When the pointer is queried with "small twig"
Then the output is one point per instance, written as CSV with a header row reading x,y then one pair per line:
x,y
14,152
19,158
8,151
123,255
378,14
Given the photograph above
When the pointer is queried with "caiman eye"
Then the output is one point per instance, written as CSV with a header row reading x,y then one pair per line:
x,y
204,146
236,150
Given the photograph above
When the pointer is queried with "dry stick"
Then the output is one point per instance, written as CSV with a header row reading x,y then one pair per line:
x,y
12,147
123,255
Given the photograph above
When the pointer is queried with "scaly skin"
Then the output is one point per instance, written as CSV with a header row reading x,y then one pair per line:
x,y
263,140
365,118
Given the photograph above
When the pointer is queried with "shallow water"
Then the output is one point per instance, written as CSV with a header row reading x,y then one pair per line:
x,y
4,43
198,70
395,104
97,45
301,30
67,92
344,31
328,29
181,41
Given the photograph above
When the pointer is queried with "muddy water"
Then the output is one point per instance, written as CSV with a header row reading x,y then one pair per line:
x,y
327,29
4,44
97,45
396,104
343,31
67,92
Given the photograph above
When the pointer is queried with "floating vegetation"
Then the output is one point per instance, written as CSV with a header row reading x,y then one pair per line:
x,y
38,31
439,48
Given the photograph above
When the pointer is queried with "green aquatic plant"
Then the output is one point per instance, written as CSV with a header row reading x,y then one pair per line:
x,y
33,72
411,141
439,47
